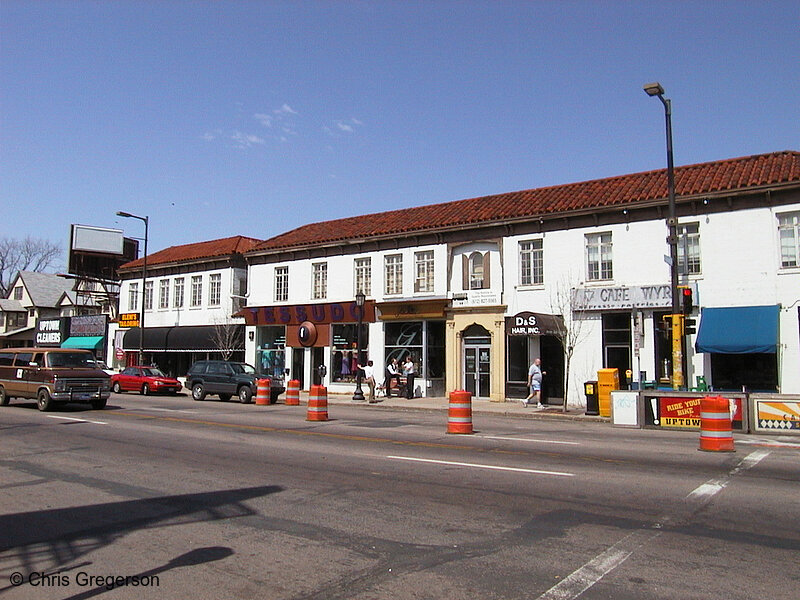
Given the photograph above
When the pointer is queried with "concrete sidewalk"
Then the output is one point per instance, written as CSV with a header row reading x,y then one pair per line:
x,y
509,408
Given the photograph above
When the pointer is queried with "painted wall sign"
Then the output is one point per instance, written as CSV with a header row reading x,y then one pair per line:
x,y
777,415
334,312
682,412
614,298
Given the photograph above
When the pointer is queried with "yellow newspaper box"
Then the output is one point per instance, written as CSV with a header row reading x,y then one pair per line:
x,y
607,380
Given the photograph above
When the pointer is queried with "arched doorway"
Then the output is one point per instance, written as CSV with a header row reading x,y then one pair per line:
x,y
476,360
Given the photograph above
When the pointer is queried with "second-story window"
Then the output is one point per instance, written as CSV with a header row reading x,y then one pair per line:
x,y
423,275
598,257
197,290
281,284
177,296
363,276
148,295
133,297
163,293
18,293
689,249
789,234
531,262
393,274
215,290
319,284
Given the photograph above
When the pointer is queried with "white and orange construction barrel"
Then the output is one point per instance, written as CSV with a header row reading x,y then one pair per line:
x,y
317,409
715,425
459,412
293,392
263,391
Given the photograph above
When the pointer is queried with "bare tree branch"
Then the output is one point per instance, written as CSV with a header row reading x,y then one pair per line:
x,y
29,254
227,336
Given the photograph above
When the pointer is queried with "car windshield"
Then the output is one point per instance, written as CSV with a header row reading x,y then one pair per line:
x,y
243,368
71,360
152,372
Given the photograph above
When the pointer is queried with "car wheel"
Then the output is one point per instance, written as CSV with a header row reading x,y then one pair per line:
x,y
245,394
99,404
145,389
224,397
198,393
4,399
116,388
43,400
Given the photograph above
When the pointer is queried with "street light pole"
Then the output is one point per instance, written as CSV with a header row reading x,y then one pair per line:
x,y
146,222
358,395
655,89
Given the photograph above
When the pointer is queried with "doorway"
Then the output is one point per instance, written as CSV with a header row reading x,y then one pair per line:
x,y
477,361
298,365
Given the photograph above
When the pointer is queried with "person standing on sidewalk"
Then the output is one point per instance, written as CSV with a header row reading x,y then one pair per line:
x,y
408,371
369,377
535,383
391,373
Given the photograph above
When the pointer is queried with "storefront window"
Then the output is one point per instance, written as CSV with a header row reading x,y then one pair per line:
x,y
344,350
271,351
517,353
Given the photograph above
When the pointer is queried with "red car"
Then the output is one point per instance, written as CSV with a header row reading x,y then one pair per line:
x,y
144,380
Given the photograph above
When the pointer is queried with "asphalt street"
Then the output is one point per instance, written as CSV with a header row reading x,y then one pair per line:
x,y
162,496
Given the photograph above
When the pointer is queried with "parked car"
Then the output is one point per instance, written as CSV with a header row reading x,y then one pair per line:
x,y
144,380
227,379
52,376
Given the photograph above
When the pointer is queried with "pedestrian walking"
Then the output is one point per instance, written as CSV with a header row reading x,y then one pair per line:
x,y
535,374
369,377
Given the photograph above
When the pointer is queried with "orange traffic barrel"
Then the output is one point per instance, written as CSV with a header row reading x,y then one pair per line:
x,y
293,392
715,425
459,413
263,391
317,404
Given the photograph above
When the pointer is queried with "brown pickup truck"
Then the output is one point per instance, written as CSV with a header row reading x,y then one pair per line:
x,y
52,376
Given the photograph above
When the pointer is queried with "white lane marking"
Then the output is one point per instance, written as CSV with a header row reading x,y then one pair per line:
x,y
479,466
580,580
770,443
714,486
77,420
171,410
513,439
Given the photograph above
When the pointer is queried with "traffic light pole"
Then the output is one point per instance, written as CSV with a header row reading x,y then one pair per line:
x,y
677,350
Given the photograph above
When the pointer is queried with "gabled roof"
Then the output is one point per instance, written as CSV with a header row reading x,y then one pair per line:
x,y
44,289
195,252
7,305
705,178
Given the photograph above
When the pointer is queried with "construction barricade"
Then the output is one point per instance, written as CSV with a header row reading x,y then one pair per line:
x,y
459,412
715,425
317,403
263,391
293,392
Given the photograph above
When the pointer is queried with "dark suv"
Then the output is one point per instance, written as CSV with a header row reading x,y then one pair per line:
x,y
227,379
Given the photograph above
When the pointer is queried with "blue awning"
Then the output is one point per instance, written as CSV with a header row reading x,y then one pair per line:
x,y
89,342
738,330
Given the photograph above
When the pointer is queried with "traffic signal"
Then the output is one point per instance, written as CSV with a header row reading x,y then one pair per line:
x,y
689,326
686,300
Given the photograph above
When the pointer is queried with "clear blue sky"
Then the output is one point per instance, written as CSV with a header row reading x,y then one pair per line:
x,y
226,118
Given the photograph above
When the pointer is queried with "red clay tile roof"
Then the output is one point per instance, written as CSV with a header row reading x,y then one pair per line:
x,y
198,251
690,180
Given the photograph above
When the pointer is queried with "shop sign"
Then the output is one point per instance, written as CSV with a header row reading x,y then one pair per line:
x,y
334,312
87,325
129,319
51,332
476,298
616,298
529,323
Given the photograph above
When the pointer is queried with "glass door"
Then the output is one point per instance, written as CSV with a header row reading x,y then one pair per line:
x,y
477,360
